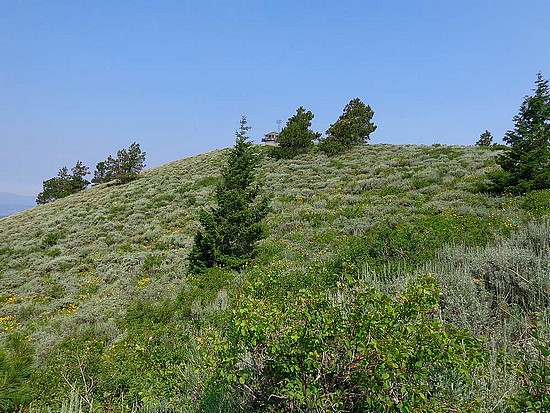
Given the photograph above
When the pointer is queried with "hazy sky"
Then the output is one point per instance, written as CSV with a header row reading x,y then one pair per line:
x,y
81,79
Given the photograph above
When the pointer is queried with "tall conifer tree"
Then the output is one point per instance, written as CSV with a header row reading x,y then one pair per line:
x,y
231,229
526,163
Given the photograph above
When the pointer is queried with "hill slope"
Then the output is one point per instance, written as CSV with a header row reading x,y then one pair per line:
x,y
87,271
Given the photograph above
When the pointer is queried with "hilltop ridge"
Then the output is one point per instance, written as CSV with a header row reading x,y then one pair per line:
x,y
107,239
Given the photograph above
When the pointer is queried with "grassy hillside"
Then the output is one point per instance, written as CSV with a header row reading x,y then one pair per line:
x,y
98,281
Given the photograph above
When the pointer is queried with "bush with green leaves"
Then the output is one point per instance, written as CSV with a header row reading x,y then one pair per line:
x,y
354,350
16,368
496,292
124,168
64,184
526,163
296,137
353,127
231,229
149,363
537,203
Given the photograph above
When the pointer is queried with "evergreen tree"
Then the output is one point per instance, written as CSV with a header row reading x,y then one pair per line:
x,y
231,229
131,163
353,127
124,168
296,137
485,139
64,184
526,163
78,172
102,173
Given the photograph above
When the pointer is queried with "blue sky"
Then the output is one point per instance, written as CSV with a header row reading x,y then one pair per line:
x,y
81,79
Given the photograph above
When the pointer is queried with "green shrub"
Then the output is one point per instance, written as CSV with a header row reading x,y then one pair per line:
x,y
355,350
152,263
54,252
16,359
51,238
201,293
436,151
413,241
537,203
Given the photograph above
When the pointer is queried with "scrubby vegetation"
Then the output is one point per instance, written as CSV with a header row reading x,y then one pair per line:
x,y
353,349
16,357
386,282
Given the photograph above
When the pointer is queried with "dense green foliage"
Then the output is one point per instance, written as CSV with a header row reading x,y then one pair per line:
x,y
232,228
526,163
353,127
485,139
64,184
98,281
352,350
16,358
296,137
123,169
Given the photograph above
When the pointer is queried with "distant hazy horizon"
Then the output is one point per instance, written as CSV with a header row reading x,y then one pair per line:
x,y
11,203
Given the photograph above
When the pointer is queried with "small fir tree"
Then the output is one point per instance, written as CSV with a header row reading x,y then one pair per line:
x,y
296,137
526,163
231,229
353,127
485,139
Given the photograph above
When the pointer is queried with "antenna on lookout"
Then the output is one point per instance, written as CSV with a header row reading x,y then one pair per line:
x,y
279,125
